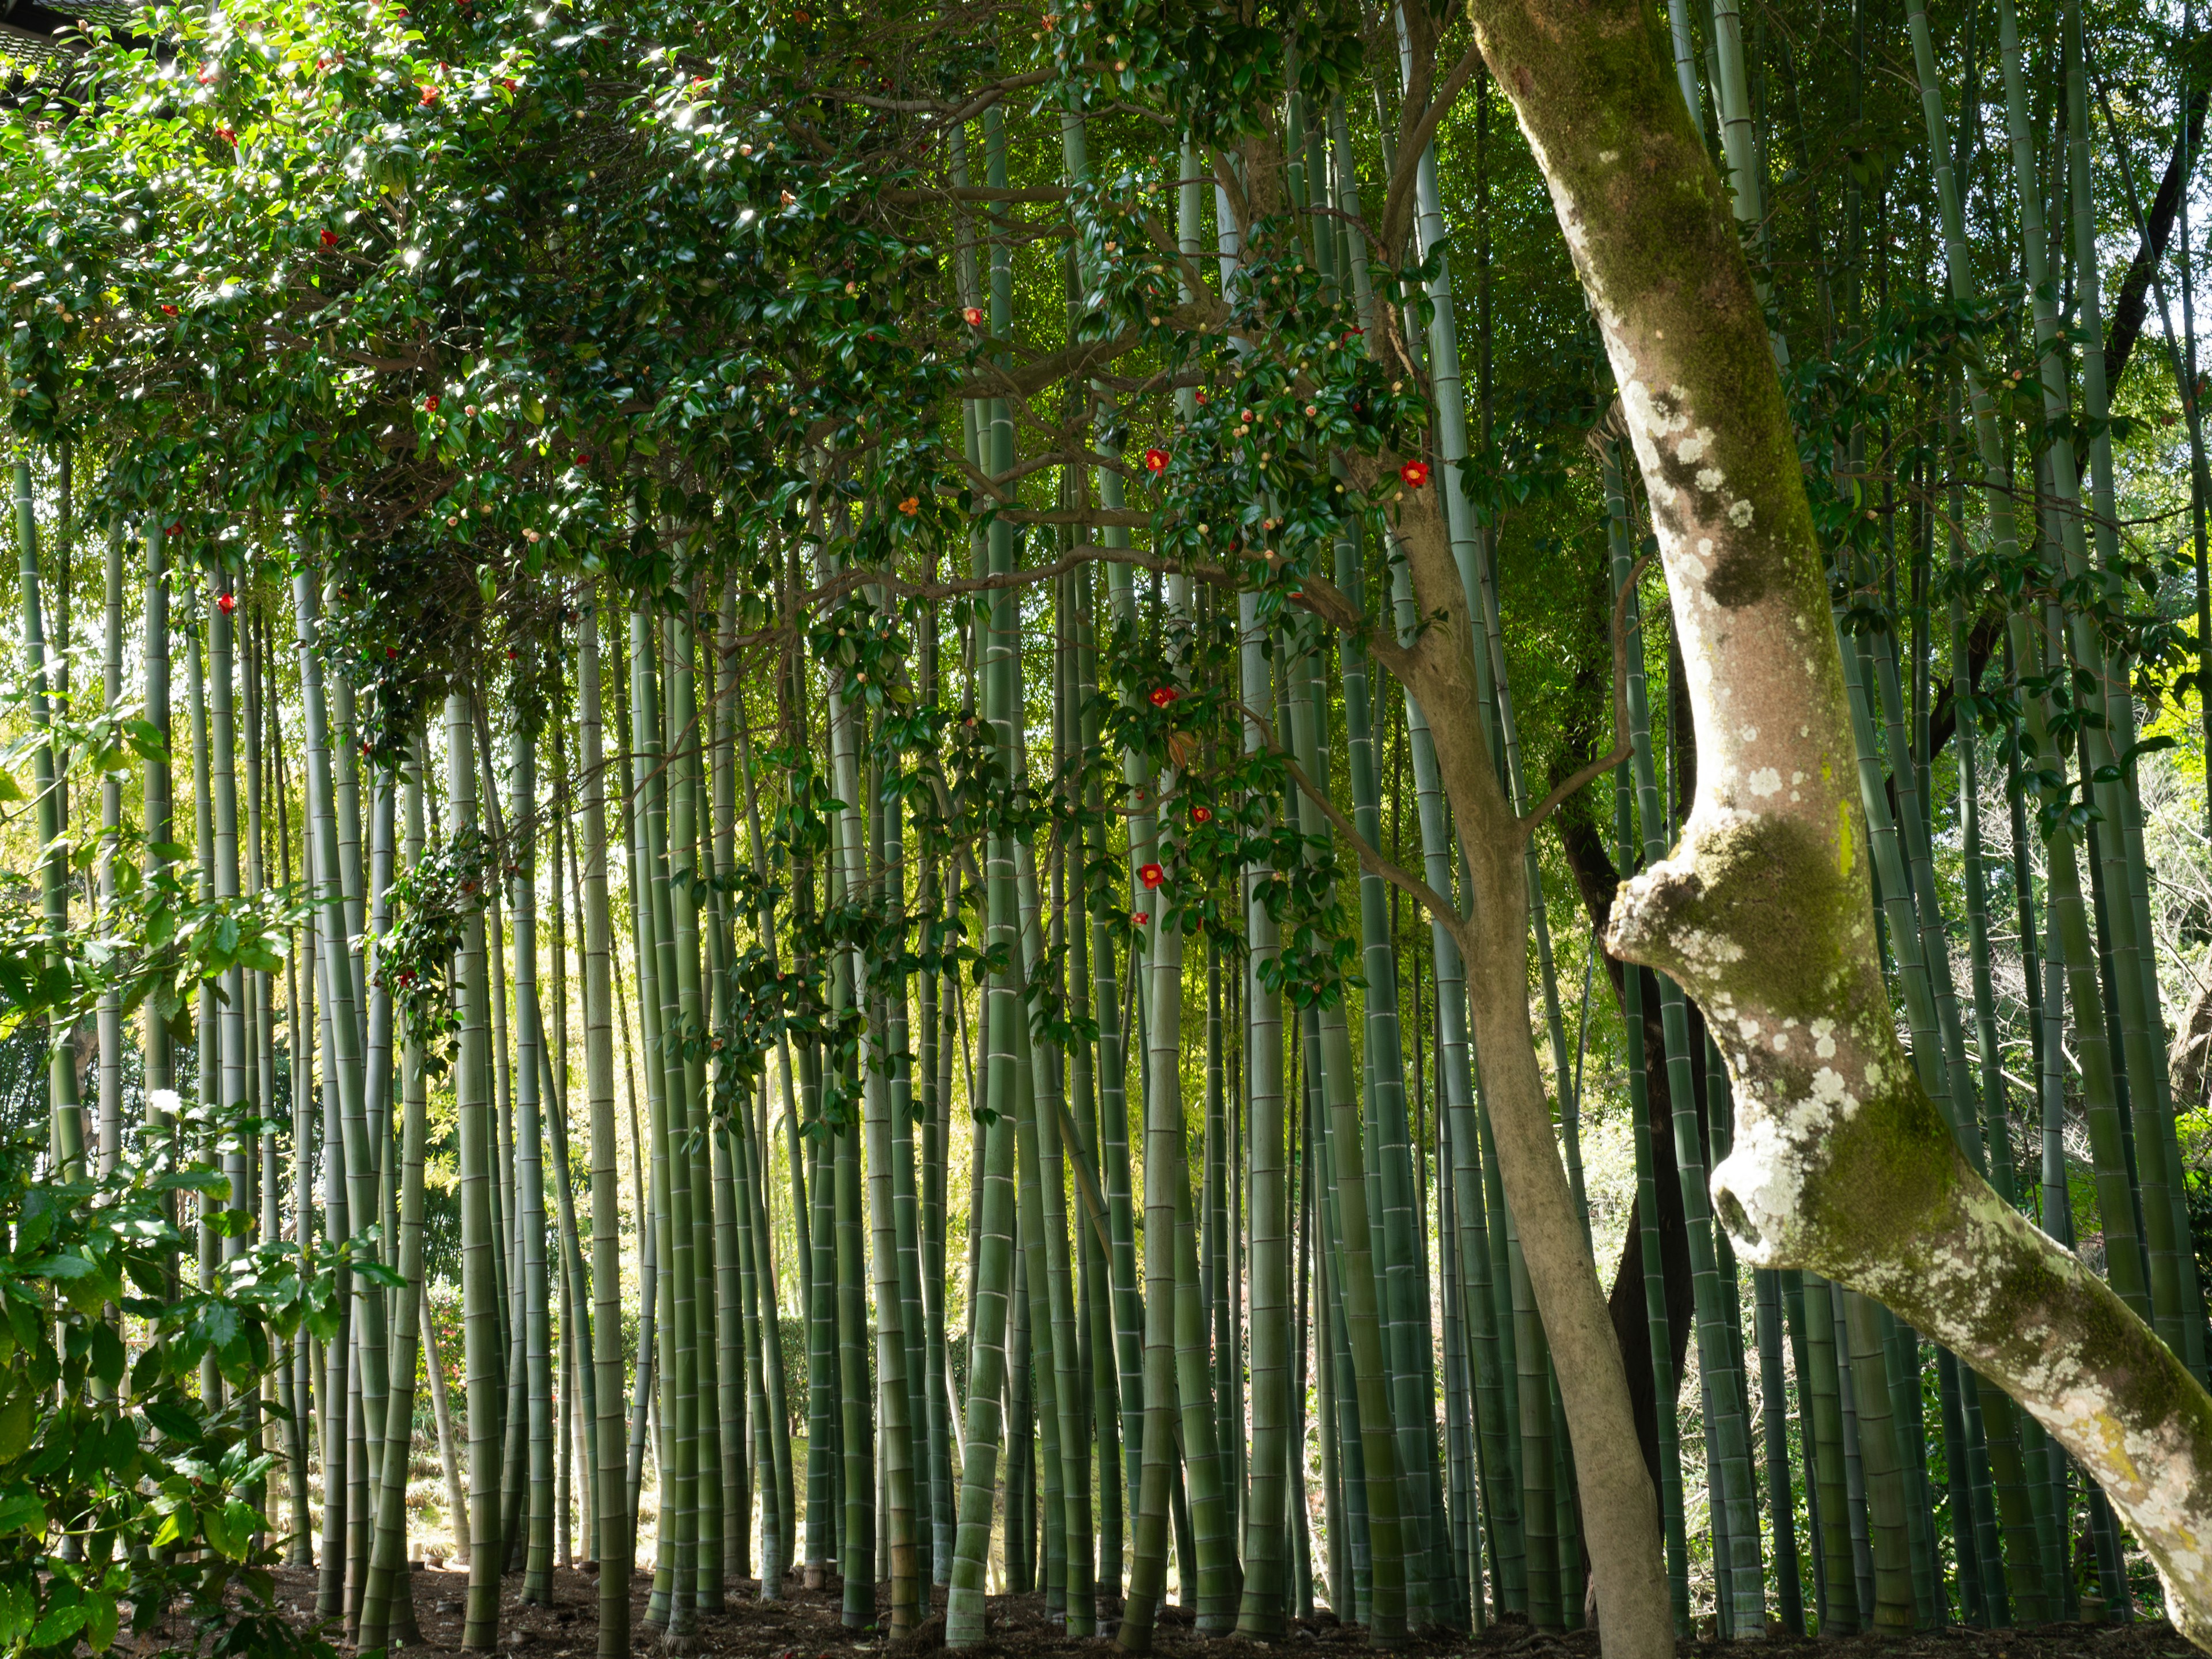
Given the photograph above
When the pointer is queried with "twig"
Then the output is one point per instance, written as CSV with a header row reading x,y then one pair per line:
x,y
1397,874
1623,745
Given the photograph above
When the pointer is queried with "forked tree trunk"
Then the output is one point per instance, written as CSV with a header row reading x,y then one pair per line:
x,y
1842,1163
1439,667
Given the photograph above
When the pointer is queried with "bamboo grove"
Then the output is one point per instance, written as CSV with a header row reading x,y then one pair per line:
x,y
917,730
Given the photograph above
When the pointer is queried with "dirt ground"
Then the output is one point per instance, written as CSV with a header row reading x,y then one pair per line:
x,y
806,1624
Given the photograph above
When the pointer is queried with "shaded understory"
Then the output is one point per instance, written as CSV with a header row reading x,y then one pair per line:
x,y
806,1624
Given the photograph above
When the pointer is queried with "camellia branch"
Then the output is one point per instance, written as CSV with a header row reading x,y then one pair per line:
x,y
1413,140
1370,858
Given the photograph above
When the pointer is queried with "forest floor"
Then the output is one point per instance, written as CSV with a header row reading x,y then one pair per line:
x,y
806,1624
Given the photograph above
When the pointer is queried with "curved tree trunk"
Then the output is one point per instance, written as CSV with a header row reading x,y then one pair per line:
x,y
1842,1163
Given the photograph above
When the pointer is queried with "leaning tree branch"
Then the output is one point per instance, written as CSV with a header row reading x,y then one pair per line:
x,y
850,580
1070,362
1370,858
1413,139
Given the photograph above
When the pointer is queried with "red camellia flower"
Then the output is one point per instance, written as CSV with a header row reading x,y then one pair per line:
x,y
227,604
176,530
226,135
206,75
1139,918
430,405
975,316
1156,460
1151,874
330,239
1415,473
1163,695
507,82
168,311
1201,815
429,96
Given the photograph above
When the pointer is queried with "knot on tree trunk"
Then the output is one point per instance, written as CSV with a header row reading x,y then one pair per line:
x,y
1751,908
1763,920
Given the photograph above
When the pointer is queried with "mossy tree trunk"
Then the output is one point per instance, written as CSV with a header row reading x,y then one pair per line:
x,y
1841,1163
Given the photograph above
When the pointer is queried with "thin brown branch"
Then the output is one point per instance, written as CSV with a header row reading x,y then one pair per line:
x,y
1370,857
948,114
1414,138
1329,603
1623,745
847,581
1040,193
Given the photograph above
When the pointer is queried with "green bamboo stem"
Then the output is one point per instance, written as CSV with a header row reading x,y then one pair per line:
x,y
1727,1439
332,970
1066,1388
1781,1503
892,1398
1412,1379
780,1451
993,1207
390,1586
66,1140
1362,1302
1665,1386
472,1090
613,1544
2134,980
223,794
530,1177
673,1603
1262,1617
1894,1605
688,1080
108,1130
1840,1601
